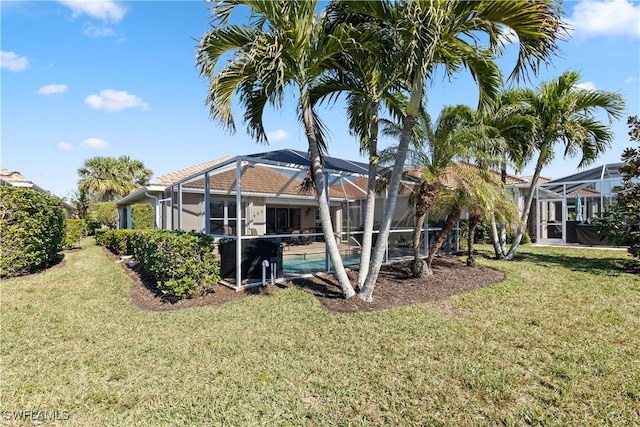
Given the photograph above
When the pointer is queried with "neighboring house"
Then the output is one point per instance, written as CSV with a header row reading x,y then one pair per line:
x,y
566,206
15,179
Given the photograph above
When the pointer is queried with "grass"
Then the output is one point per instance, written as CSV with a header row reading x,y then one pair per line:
x,y
556,343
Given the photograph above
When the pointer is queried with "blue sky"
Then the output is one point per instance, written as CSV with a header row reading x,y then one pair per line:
x,y
107,78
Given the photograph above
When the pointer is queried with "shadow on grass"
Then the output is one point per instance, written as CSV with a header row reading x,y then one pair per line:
x,y
599,266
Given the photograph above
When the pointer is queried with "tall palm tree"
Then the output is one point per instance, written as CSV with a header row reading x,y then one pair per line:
x,y
370,87
566,113
432,34
104,176
111,177
505,136
136,171
284,44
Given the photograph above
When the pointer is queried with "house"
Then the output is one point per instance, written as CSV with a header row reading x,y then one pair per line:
x,y
16,179
566,206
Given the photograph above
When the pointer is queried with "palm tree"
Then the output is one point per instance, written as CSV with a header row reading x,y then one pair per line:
x,y
478,191
112,177
102,175
137,172
565,113
368,87
434,150
285,44
432,34
505,136
488,200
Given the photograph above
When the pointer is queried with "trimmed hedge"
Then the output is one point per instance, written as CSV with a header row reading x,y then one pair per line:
x,y
119,241
142,217
184,264
75,229
32,230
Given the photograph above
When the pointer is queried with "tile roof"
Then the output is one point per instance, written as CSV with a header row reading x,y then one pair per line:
x,y
450,181
353,189
13,177
174,177
257,179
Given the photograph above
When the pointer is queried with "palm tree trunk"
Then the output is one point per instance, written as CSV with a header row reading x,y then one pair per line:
x,y
366,294
427,194
418,264
527,208
322,195
450,222
367,236
473,223
496,238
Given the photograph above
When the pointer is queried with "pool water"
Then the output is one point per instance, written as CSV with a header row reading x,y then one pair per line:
x,y
313,263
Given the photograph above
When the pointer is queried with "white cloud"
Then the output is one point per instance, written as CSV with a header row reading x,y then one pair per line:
x,y
13,62
94,32
94,143
51,89
612,17
630,79
587,86
114,100
64,146
277,135
104,10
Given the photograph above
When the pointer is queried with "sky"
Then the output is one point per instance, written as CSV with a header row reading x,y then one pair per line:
x,y
81,79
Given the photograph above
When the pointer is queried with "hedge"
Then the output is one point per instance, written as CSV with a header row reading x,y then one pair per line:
x,y
142,217
184,264
32,230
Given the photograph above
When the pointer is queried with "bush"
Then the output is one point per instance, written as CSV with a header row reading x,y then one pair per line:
x,y
75,229
117,241
105,214
142,217
32,230
184,264
101,236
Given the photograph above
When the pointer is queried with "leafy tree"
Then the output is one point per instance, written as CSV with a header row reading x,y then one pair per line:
x,y
111,177
284,45
621,221
565,113
105,214
444,34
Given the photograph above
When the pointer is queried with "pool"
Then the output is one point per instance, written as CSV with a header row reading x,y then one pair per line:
x,y
314,263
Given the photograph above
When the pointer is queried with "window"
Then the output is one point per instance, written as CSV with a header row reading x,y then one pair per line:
x,y
222,214
283,220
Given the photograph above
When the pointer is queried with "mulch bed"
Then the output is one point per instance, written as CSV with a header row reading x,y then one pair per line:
x,y
394,288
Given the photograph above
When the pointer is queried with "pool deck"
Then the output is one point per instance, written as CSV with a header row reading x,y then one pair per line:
x,y
314,248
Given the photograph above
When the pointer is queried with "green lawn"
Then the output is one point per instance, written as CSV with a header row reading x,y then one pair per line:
x,y
557,343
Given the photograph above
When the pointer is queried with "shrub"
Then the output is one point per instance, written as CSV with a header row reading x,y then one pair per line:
x,y
75,229
117,241
101,236
184,264
105,214
32,229
142,217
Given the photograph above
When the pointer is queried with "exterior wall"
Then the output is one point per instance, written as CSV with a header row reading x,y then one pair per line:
x,y
192,212
403,212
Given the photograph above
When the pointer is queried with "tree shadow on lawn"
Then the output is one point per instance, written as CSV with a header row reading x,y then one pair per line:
x,y
598,266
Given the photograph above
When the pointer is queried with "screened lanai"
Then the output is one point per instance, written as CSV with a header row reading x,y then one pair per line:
x,y
566,206
259,200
